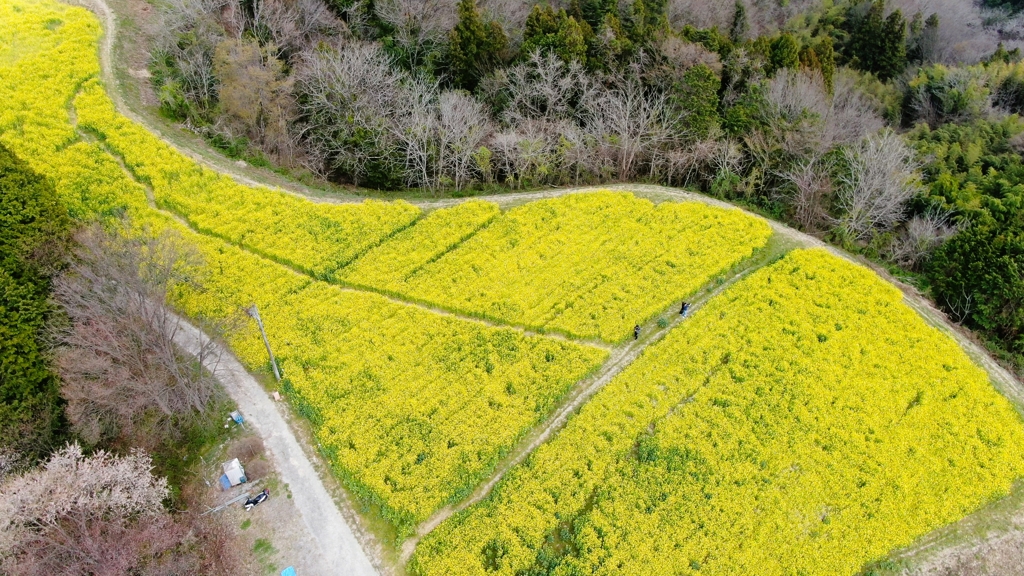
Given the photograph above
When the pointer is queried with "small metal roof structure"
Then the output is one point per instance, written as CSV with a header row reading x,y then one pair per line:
x,y
234,474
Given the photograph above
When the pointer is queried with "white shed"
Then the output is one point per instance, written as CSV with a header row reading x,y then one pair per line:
x,y
234,474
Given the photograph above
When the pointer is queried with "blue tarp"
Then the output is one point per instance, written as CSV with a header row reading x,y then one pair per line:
x,y
224,482
289,571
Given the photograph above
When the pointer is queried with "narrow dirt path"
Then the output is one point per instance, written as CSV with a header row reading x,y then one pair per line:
x,y
340,550
199,153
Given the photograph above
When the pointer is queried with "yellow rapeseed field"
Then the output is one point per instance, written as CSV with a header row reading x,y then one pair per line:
x,y
46,51
387,266
412,408
316,238
589,265
804,422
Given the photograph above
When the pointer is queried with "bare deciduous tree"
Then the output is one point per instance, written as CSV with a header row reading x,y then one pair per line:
x,y
764,16
418,24
700,13
255,93
463,124
700,162
873,192
115,354
576,148
524,154
512,15
804,119
415,126
347,94
293,25
546,88
962,36
851,115
684,55
812,187
961,306
189,33
921,235
631,120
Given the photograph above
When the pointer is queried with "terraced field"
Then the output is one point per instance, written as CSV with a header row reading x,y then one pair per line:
x,y
412,408
587,265
803,421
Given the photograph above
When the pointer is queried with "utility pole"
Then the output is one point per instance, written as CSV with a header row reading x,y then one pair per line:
x,y
255,313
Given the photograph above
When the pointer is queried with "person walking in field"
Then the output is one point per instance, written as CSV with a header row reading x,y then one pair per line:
x,y
636,332
684,309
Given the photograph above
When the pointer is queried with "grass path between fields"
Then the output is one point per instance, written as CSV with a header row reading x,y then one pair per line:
x,y
970,529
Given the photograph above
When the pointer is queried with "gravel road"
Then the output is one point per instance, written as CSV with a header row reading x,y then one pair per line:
x,y
340,551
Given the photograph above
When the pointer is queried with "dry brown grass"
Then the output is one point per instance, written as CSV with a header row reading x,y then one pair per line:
x,y
998,556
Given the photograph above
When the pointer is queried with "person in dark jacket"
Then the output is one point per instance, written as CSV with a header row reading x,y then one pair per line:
x,y
636,332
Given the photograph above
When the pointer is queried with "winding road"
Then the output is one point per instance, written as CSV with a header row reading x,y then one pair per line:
x,y
341,551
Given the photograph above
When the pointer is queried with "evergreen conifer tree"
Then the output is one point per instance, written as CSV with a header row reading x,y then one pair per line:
x,y
879,44
784,53
474,46
740,25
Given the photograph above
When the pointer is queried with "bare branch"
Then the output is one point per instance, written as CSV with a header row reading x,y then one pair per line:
x,y
116,355
881,178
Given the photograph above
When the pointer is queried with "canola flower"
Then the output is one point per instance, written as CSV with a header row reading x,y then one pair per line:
x,y
412,408
316,238
387,266
589,265
806,421
46,51
717,452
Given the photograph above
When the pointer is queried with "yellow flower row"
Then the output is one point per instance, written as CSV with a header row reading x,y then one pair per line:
x,y
316,238
387,266
804,422
589,265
